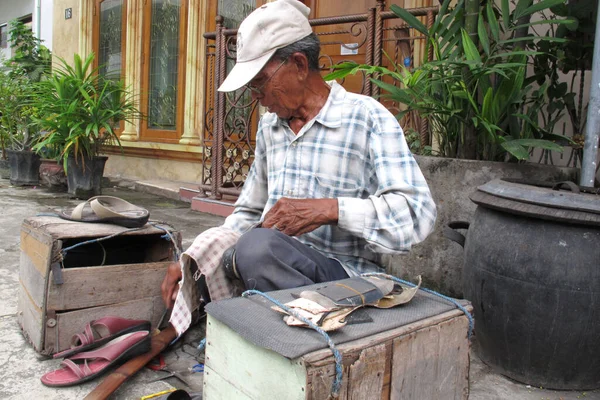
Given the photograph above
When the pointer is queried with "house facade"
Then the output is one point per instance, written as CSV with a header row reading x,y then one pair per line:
x,y
158,47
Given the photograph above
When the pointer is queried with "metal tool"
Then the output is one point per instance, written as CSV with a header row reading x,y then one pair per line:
x,y
171,374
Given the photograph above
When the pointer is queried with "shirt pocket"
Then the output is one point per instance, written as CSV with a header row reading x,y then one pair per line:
x,y
331,188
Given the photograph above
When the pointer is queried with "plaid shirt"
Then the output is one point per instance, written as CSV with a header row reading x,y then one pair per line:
x,y
354,150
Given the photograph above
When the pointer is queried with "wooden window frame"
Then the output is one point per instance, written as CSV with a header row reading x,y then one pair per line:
x,y
162,135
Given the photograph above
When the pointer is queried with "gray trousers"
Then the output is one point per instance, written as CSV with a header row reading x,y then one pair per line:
x,y
267,260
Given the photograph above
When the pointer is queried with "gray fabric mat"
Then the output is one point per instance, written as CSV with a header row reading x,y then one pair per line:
x,y
252,318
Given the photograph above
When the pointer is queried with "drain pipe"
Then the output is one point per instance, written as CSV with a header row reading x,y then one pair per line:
x,y
38,17
592,132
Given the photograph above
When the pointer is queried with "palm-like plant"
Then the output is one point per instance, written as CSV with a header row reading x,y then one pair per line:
x,y
81,110
475,92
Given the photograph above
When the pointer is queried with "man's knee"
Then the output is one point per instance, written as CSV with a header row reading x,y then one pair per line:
x,y
251,250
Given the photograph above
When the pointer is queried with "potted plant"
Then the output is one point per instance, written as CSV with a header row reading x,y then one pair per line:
x,y
485,114
81,111
18,135
4,132
475,93
18,132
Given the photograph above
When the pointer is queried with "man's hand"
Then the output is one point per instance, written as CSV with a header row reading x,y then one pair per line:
x,y
169,287
295,217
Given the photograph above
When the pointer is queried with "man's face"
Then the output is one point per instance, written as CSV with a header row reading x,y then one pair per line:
x,y
273,88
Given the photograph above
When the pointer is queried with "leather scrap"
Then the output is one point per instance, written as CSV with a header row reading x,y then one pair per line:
x,y
330,307
404,297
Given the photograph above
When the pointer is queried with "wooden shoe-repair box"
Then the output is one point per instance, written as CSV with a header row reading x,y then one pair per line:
x,y
68,277
419,350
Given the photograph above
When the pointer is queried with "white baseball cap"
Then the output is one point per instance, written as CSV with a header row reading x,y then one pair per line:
x,y
261,34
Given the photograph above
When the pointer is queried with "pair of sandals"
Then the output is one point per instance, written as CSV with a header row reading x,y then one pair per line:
x,y
107,209
103,344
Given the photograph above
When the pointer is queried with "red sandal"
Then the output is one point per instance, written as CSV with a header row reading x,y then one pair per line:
x,y
88,365
100,331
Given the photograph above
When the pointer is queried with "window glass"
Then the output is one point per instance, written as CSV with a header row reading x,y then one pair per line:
x,y
164,59
234,12
110,56
3,37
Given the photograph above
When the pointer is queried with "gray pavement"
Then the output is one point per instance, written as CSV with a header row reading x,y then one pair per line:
x,y
22,366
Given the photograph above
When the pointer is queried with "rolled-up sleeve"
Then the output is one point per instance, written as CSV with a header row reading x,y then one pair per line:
x,y
402,211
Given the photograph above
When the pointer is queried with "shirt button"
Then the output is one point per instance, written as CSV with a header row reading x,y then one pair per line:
x,y
294,144
290,192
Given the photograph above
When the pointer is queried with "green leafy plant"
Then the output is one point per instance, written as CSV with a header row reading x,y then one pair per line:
x,y
30,57
81,110
573,57
475,92
29,64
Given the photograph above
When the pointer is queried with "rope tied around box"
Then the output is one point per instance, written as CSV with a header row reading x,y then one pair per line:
x,y
449,299
337,382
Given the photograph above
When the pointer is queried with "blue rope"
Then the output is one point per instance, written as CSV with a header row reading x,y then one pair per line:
x,y
337,382
66,249
202,344
168,236
450,299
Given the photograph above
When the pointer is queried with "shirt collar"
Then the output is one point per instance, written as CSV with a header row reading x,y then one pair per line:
x,y
331,113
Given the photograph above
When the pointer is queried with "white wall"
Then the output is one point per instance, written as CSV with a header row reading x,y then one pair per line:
x,y
46,8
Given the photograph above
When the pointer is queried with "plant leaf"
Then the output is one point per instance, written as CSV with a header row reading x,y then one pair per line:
x,y
410,19
540,6
470,49
483,36
539,143
492,22
515,149
505,14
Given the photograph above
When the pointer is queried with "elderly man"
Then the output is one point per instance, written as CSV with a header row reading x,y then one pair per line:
x,y
333,184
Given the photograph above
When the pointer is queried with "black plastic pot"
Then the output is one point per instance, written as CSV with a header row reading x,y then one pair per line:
x,y
4,169
84,177
24,168
532,272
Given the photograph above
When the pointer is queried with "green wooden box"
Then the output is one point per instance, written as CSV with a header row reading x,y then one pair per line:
x,y
427,359
120,276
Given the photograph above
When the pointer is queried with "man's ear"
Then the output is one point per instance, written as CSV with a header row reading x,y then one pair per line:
x,y
301,63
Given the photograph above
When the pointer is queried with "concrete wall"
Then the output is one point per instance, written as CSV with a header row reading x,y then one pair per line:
x,y
65,40
138,168
438,260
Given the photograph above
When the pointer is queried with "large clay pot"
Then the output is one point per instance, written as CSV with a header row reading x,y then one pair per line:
x,y
24,168
52,175
532,273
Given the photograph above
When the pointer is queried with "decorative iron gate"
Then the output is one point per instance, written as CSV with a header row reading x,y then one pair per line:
x,y
231,118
